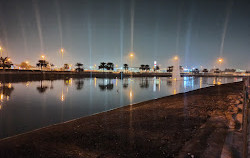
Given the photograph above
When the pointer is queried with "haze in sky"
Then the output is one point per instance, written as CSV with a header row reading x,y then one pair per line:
x,y
94,31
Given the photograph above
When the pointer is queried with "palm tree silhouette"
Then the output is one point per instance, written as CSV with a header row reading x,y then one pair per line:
x,y
42,63
156,68
205,70
102,66
110,66
51,66
147,68
125,66
142,67
79,67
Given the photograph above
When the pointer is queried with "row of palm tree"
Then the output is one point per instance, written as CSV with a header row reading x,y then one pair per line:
x,y
144,67
107,66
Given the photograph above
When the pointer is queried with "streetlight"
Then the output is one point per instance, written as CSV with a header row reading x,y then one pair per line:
x,y
176,58
220,60
43,57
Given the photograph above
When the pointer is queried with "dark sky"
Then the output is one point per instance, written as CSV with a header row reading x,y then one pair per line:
x,y
92,31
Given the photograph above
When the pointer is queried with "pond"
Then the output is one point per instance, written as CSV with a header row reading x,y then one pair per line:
x,y
31,105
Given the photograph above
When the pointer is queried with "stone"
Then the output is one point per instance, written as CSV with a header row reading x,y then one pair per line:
x,y
231,125
237,102
239,118
240,106
235,109
241,100
231,97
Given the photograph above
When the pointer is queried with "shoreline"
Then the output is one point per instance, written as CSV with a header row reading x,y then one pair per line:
x,y
127,123
22,75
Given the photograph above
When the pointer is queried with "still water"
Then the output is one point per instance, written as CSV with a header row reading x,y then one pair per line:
x,y
30,105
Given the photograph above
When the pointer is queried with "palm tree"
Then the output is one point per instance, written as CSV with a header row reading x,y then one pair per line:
x,y
196,71
51,66
102,66
79,67
110,66
142,67
147,68
5,62
170,68
205,70
156,68
217,70
42,63
125,66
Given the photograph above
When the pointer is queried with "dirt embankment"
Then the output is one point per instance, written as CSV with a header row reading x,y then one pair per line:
x,y
183,125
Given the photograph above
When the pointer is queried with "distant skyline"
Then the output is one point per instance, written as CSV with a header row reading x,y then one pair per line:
x,y
94,31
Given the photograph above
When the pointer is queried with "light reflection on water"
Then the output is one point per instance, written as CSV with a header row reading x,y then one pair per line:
x,y
31,105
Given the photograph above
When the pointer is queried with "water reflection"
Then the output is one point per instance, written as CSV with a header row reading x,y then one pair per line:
x,y
144,83
169,83
79,84
62,102
125,82
68,82
5,91
204,80
51,84
42,88
106,85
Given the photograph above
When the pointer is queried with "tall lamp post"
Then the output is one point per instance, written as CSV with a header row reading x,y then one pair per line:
x,y
62,51
220,61
1,51
131,57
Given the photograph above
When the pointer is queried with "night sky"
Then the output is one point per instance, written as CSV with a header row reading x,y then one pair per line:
x,y
92,31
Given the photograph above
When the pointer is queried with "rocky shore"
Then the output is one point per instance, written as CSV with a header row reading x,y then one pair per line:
x,y
193,124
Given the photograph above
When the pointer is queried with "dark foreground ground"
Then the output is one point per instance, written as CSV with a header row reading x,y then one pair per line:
x,y
195,122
